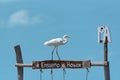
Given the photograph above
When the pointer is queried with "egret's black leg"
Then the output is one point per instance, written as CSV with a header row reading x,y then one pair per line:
x,y
64,72
53,52
52,59
57,53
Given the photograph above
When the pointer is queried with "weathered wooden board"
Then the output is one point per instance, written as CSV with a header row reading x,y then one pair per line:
x,y
47,64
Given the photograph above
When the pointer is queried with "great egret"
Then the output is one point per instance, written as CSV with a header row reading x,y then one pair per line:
x,y
57,42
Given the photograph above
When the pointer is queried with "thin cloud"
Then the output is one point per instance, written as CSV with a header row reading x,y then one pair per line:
x,y
22,17
19,17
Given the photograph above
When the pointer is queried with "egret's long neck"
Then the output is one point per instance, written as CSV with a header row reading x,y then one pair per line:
x,y
65,40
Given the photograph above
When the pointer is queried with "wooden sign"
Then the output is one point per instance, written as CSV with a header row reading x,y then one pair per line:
x,y
48,64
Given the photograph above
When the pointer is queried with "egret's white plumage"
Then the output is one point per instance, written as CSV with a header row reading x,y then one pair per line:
x,y
54,42
57,42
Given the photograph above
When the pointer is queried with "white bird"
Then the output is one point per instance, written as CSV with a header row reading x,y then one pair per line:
x,y
57,42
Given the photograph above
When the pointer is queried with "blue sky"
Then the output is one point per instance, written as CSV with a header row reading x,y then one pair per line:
x,y
32,22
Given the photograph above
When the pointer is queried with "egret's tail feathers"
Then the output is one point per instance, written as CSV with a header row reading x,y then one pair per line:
x,y
45,44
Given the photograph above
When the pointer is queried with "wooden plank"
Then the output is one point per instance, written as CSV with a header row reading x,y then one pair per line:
x,y
35,64
48,64
23,65
99,63
19,60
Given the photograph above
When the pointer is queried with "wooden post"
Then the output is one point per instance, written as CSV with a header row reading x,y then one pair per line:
x,y
106,68
19,60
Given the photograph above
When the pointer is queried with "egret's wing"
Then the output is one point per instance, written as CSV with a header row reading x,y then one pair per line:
x,y
54,42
